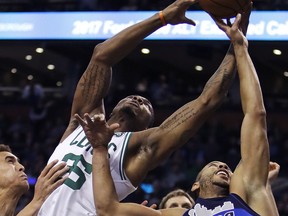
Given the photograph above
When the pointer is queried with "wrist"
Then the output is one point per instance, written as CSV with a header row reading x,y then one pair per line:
x,y
162,18
100,147
268,185
239,46
37,200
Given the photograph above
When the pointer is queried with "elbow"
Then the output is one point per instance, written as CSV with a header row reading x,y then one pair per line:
x,y
106,210
257,112
99,54
212,101
102,211
101,208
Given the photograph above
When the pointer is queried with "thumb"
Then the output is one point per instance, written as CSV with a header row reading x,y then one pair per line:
x,y
114,126
189,21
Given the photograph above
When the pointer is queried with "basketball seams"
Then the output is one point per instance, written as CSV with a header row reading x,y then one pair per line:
x,y
229,13
224,8
222,5
242,6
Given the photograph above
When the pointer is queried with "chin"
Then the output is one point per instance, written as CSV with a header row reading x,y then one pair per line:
x,y
23,187
128,110
223,184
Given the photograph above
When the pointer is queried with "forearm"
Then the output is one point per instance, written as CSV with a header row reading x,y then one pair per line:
x,y
95,81
254,141
271,198
177,129
103,185
114,49
218,85
250,90
31,209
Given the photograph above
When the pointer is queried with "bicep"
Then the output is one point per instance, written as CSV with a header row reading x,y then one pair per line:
x,y
255,148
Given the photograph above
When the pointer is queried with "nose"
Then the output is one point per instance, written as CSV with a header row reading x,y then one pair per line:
x,y
138,99
223,166
21,167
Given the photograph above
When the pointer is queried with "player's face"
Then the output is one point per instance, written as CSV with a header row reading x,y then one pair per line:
x,y
12,173
178,201
217,173
138,108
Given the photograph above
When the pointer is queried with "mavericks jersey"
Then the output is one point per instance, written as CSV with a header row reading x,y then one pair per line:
x,y
231,205
75,196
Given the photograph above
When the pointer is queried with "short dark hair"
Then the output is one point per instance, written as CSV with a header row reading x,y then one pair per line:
x,y
5,148
195,194
174,193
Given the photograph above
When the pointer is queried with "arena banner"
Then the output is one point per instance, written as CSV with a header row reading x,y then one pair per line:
x,y
264,26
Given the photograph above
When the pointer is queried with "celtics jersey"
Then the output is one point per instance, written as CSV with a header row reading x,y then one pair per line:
x,y
75,196
231,205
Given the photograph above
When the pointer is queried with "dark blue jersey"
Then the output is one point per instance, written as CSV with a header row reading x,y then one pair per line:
x,y
231,205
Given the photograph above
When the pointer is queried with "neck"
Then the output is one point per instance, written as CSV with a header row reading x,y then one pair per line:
x,y
121,121
213,191
8,202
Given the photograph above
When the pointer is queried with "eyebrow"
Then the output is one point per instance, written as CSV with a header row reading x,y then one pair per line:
x,y
12,157
214,164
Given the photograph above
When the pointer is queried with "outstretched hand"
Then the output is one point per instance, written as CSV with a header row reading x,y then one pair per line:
x,y
50,178
97,131
175,13
232,30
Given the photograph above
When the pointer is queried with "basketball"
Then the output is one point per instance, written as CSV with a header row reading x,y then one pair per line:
x,y
224,8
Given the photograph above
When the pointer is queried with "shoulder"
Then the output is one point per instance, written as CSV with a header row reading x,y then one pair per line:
x,y
72,126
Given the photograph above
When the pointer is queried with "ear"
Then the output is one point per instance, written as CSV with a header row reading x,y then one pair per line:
x,y
195,187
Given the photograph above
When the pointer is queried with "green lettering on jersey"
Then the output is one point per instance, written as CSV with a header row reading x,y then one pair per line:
x,y
79,167
113,146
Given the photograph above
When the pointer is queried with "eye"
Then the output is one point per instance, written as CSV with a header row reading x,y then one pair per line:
x,y
186,205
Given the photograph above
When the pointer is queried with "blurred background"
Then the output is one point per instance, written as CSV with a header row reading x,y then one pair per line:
x,y
38,78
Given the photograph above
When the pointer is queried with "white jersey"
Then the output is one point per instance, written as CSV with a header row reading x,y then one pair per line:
x,y
75,196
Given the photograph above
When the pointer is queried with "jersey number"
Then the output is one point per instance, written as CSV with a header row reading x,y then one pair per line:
x,y
79,168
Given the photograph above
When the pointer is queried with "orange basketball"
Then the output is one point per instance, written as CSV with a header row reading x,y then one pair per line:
x,y
224,8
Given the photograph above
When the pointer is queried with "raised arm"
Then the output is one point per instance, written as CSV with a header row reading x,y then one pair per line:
x,y
181,126
254,143
103,185
94,83
250,177
185,122
48,181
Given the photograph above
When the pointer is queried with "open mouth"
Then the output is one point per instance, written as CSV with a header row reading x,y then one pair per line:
x,y
222,173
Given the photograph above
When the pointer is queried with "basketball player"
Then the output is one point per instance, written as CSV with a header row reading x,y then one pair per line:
x,y
219,192
14,183
132,155
177,198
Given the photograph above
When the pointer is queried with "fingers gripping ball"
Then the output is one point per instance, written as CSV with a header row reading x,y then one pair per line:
x,y
224,8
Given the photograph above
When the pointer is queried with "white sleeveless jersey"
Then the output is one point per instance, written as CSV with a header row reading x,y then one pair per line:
x,y
75,196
